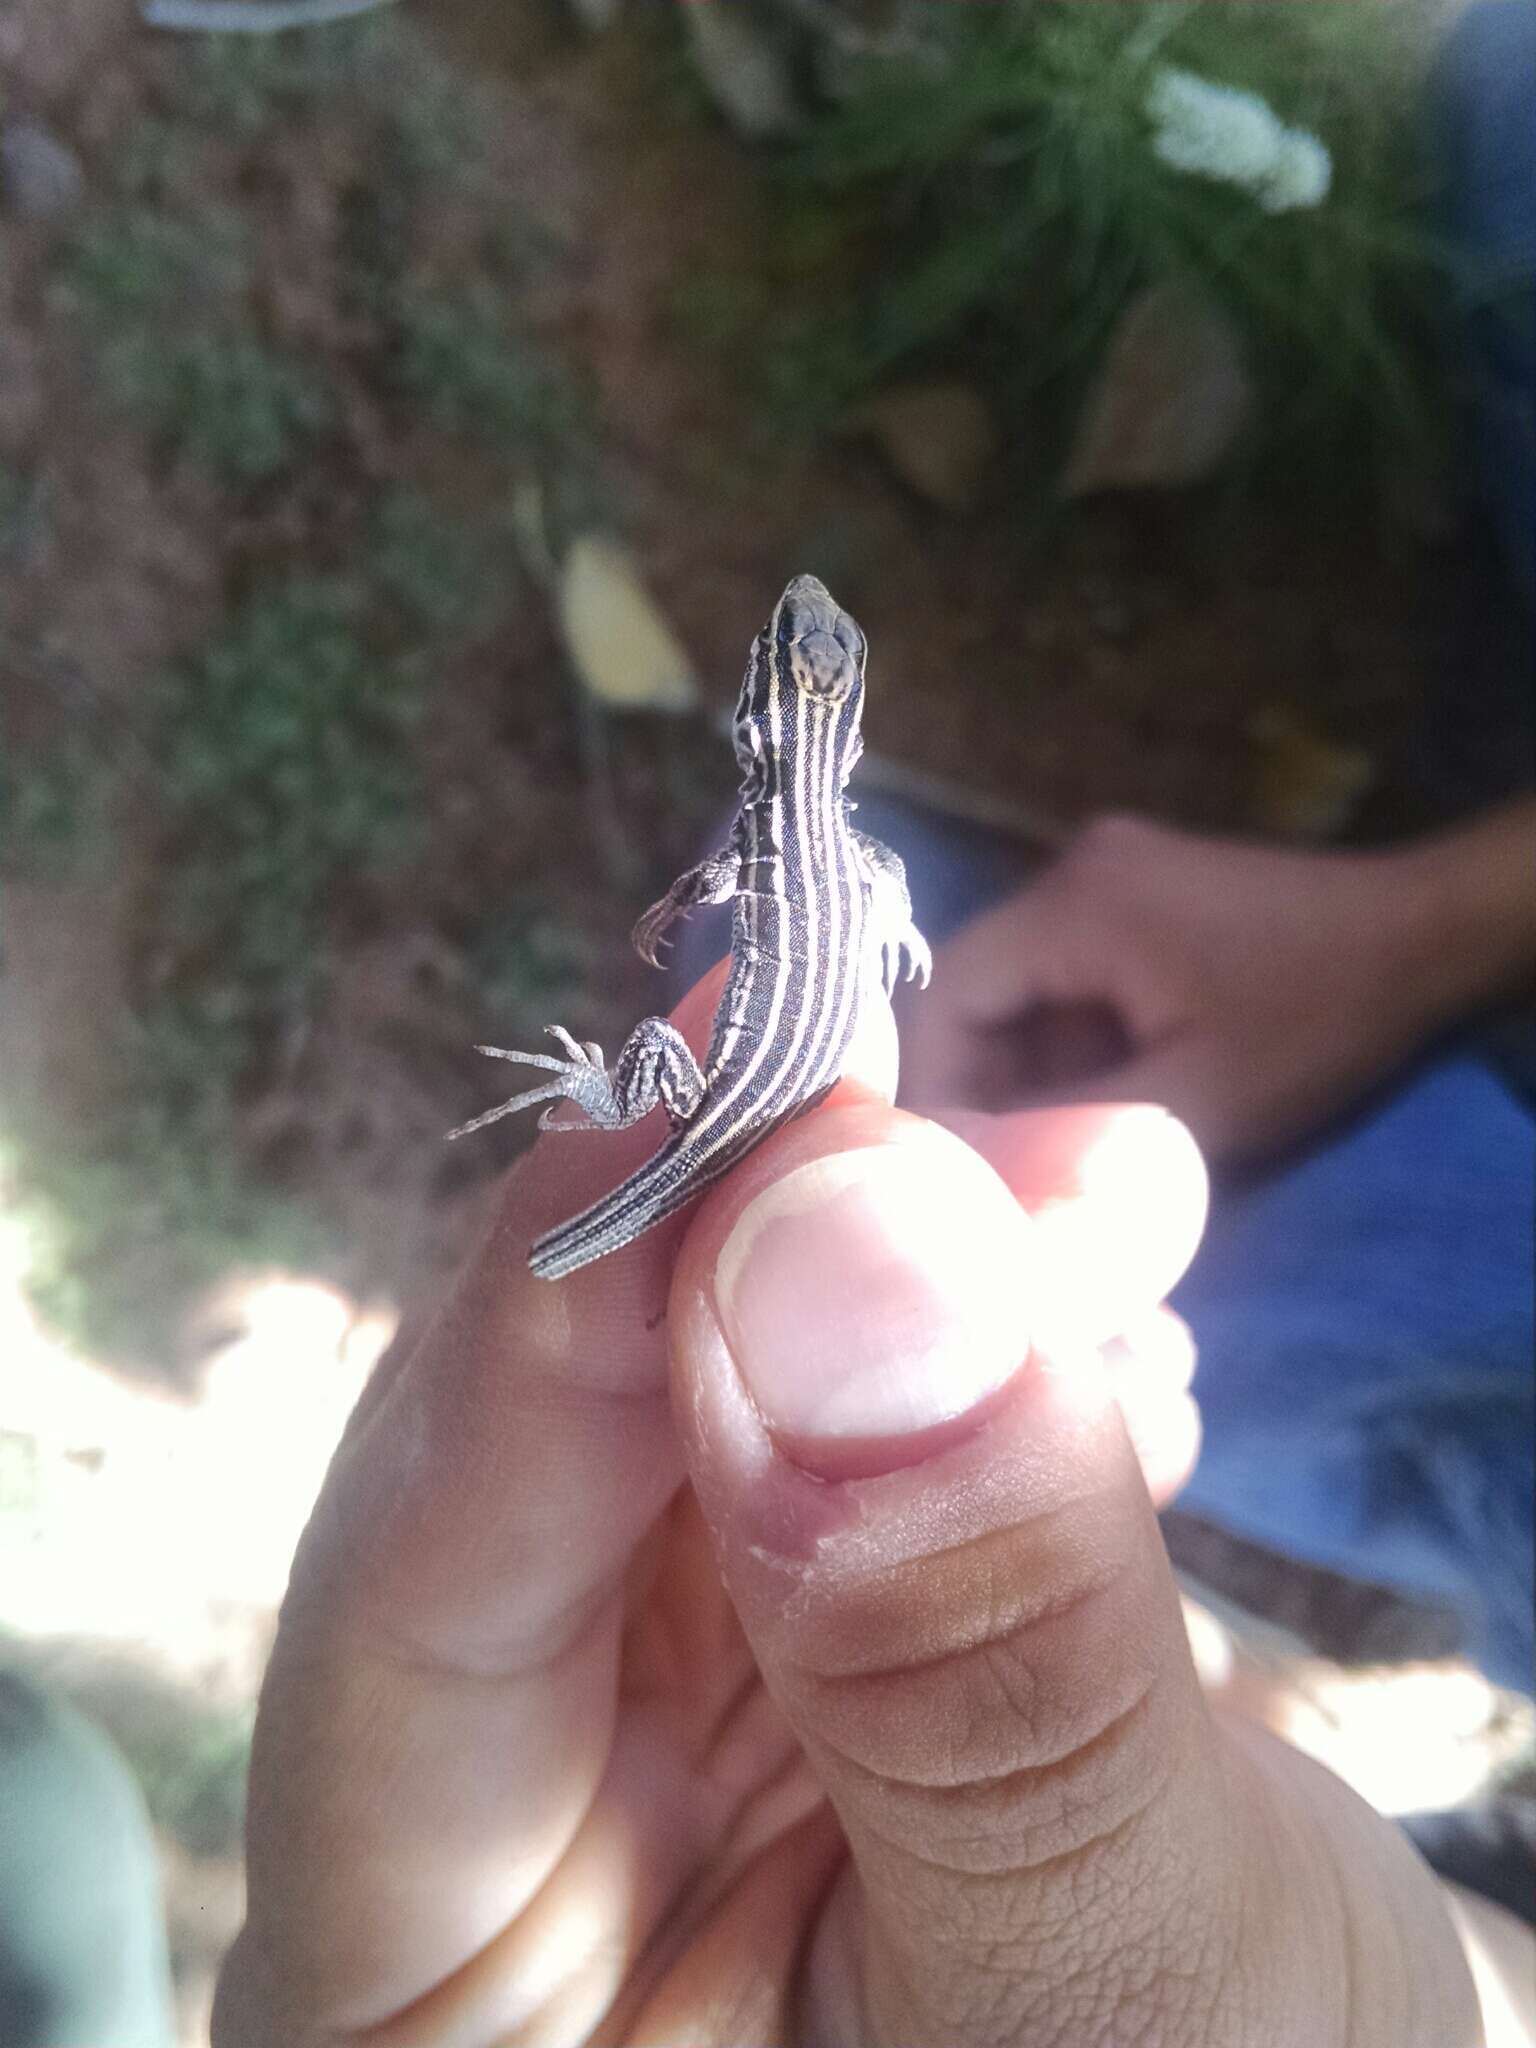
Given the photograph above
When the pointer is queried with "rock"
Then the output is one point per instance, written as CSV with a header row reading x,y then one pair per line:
x,y
1172,397
939,437
40,177
620,645
743,68
1305,784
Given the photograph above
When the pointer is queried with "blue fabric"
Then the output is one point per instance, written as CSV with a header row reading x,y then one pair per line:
x,y
1482,106
1366,1333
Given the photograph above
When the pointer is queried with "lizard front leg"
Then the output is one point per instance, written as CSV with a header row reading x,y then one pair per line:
x,y
890,909
712,881
654,1069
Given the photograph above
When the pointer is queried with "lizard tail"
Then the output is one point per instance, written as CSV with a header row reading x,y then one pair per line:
x,y
655,1190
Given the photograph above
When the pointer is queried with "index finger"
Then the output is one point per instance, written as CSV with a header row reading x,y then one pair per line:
x,y
456,1606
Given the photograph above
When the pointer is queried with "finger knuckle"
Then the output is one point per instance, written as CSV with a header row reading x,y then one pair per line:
x,y
1011,1728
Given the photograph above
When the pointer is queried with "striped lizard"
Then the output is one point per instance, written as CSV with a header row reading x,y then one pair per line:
x,y
821,913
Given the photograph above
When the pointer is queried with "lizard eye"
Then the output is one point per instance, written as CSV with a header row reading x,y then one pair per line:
x,y
822,667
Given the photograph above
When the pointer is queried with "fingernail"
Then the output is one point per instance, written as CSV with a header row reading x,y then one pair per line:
x,y
878,1293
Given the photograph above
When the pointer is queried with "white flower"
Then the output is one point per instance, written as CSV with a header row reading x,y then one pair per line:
x,y
1301,176
1214,131
1223,132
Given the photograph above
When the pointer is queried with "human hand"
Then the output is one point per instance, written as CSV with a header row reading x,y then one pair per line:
x,y
841,1698
1253,990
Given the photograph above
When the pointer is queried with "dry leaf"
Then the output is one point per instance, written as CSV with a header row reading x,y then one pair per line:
x,y
1172,397
620,645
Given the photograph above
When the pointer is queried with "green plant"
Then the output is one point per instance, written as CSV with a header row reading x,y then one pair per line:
x,y
1018,202
133,262
282,748
163,301
191,1762
244,84
50,808
527,961
284,745
132,1221
156,153
284,751
443,575
718,309
462,354
224,399
24,512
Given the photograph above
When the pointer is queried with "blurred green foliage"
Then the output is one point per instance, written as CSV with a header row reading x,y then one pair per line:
x,y
448,577
1004,203
245,84
130,1222
24,511
460,354
285,769
133,262
163,300
284,745
239,408
51,810
280,753
526,960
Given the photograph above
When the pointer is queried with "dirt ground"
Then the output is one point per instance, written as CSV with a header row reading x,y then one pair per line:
x,y
1135,655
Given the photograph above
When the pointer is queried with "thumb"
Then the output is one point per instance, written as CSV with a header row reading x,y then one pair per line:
x,y
942,1550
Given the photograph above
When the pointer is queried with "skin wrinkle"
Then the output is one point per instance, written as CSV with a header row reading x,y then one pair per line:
x,y
739,1702
561,1636
1033,1985
892,1724
1052,1609
525,1646
985,1788
710,1886
540,2021
1041,1867
968,1496
1100,1887
986,2010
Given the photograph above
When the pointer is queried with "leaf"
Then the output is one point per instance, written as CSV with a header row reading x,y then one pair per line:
x,y
622,648
1172,397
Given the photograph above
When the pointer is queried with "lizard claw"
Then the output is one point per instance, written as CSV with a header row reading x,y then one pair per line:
x,y
587,1055
905,959
648,938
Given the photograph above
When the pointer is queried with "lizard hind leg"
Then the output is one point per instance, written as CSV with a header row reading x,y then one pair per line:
x,y
654,1069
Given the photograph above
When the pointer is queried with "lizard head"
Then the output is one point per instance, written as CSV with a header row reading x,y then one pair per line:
x,y
810,650
820,645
